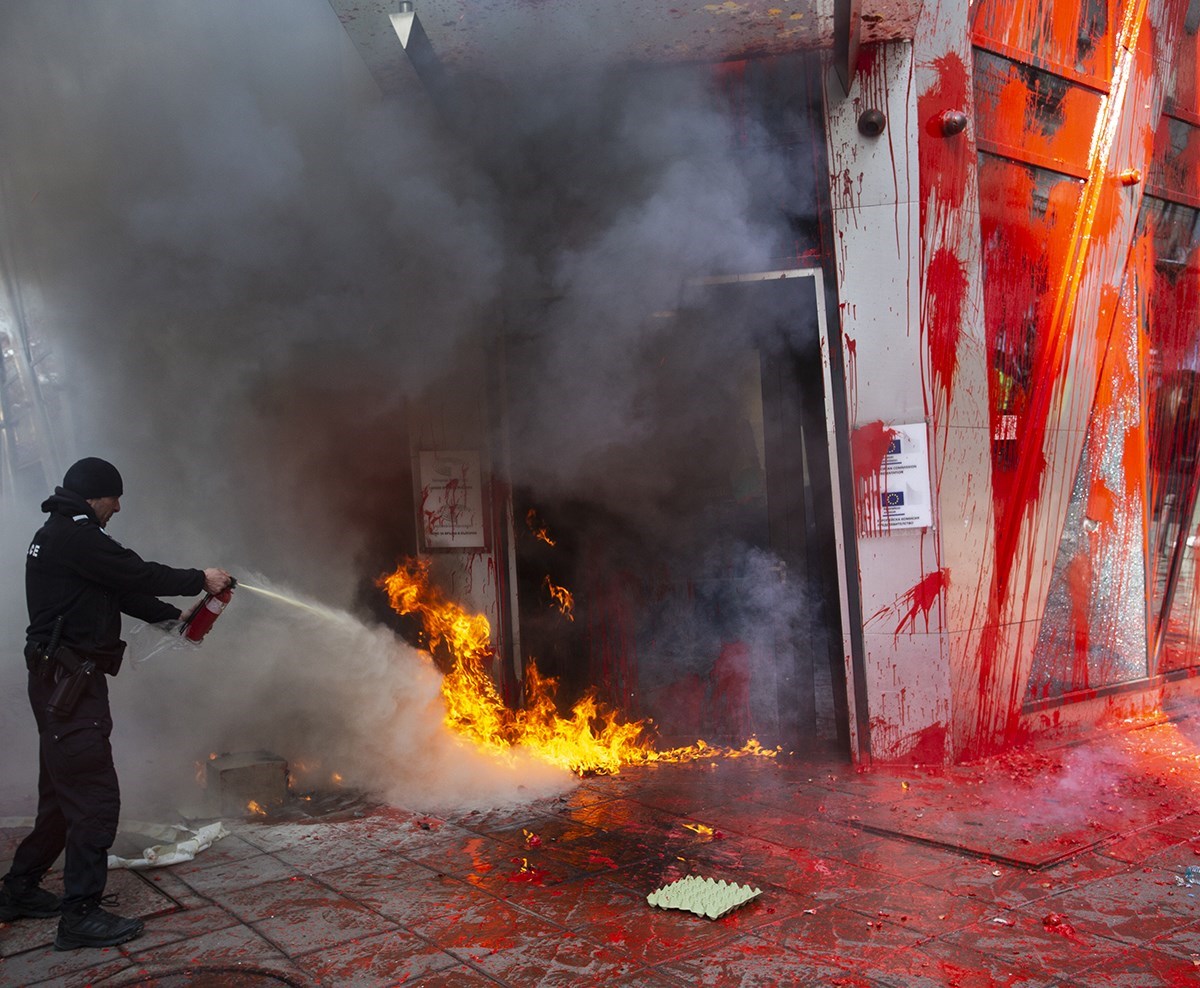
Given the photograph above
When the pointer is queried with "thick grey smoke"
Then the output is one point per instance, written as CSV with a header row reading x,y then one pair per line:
x,y
18,759
335,694
252,269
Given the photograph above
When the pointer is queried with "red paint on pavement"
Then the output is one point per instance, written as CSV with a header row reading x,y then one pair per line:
x,y
1057,923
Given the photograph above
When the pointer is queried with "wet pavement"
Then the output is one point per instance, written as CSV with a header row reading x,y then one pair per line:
x,y
1072,867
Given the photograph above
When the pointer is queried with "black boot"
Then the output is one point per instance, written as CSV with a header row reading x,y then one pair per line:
x,y
20,899
91,926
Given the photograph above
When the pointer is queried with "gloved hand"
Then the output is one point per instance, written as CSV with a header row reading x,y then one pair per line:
x,y
216,580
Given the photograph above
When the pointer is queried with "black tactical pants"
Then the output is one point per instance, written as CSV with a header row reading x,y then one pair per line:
x,y
79,801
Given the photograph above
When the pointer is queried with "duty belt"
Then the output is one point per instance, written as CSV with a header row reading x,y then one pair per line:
x,y
40,657
67,669
64,661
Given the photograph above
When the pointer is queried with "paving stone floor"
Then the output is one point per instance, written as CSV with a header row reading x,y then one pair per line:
x,y
1069,868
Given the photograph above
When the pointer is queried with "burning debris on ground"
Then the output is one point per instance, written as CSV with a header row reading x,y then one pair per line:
x,y
327,806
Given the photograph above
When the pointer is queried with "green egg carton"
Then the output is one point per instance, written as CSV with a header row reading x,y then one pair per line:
x,y
702,896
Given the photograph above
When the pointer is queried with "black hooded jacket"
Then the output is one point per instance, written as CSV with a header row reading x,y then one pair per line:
x,y
74,568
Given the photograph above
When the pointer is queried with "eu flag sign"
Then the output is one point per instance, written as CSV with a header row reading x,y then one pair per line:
x,y
892,499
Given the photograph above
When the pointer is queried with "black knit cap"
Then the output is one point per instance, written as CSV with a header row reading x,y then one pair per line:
x,y
93,478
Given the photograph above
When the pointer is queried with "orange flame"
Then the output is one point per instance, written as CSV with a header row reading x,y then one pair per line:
x,y
256,808
535,525
592,739
562,597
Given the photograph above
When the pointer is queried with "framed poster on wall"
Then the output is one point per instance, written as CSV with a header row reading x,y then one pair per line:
x,y
450,499
906,499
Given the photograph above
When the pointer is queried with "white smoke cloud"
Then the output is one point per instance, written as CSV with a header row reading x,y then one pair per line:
x,y
297,677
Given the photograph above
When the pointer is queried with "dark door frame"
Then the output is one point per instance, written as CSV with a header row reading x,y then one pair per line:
x,y
841,485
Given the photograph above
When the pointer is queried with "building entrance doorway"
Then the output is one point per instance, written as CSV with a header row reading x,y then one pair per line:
x,y
694,580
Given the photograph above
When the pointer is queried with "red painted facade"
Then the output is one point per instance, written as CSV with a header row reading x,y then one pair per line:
x,y
1059,369
1087,182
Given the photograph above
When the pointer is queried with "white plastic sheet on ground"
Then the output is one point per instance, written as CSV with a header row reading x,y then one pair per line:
x,y
182,845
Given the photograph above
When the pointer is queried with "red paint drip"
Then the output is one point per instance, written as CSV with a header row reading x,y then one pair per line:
x,y
851,346
945,296
944,167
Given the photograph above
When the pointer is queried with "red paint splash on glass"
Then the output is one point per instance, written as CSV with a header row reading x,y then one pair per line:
x,y
1078,579
1071,35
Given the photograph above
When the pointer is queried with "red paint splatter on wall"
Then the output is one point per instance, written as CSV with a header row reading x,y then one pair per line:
x,y
917,600
1048,255
1051,119
945,170
1025,219
868,446
920,598
945,295
945,166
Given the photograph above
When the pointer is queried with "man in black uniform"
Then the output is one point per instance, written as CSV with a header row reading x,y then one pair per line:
x,y
78,582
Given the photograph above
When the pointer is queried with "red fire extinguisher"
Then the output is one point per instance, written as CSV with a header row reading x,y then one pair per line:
x,y
205,615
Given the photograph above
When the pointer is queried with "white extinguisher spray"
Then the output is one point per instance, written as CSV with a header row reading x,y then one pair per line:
x,y
205,615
